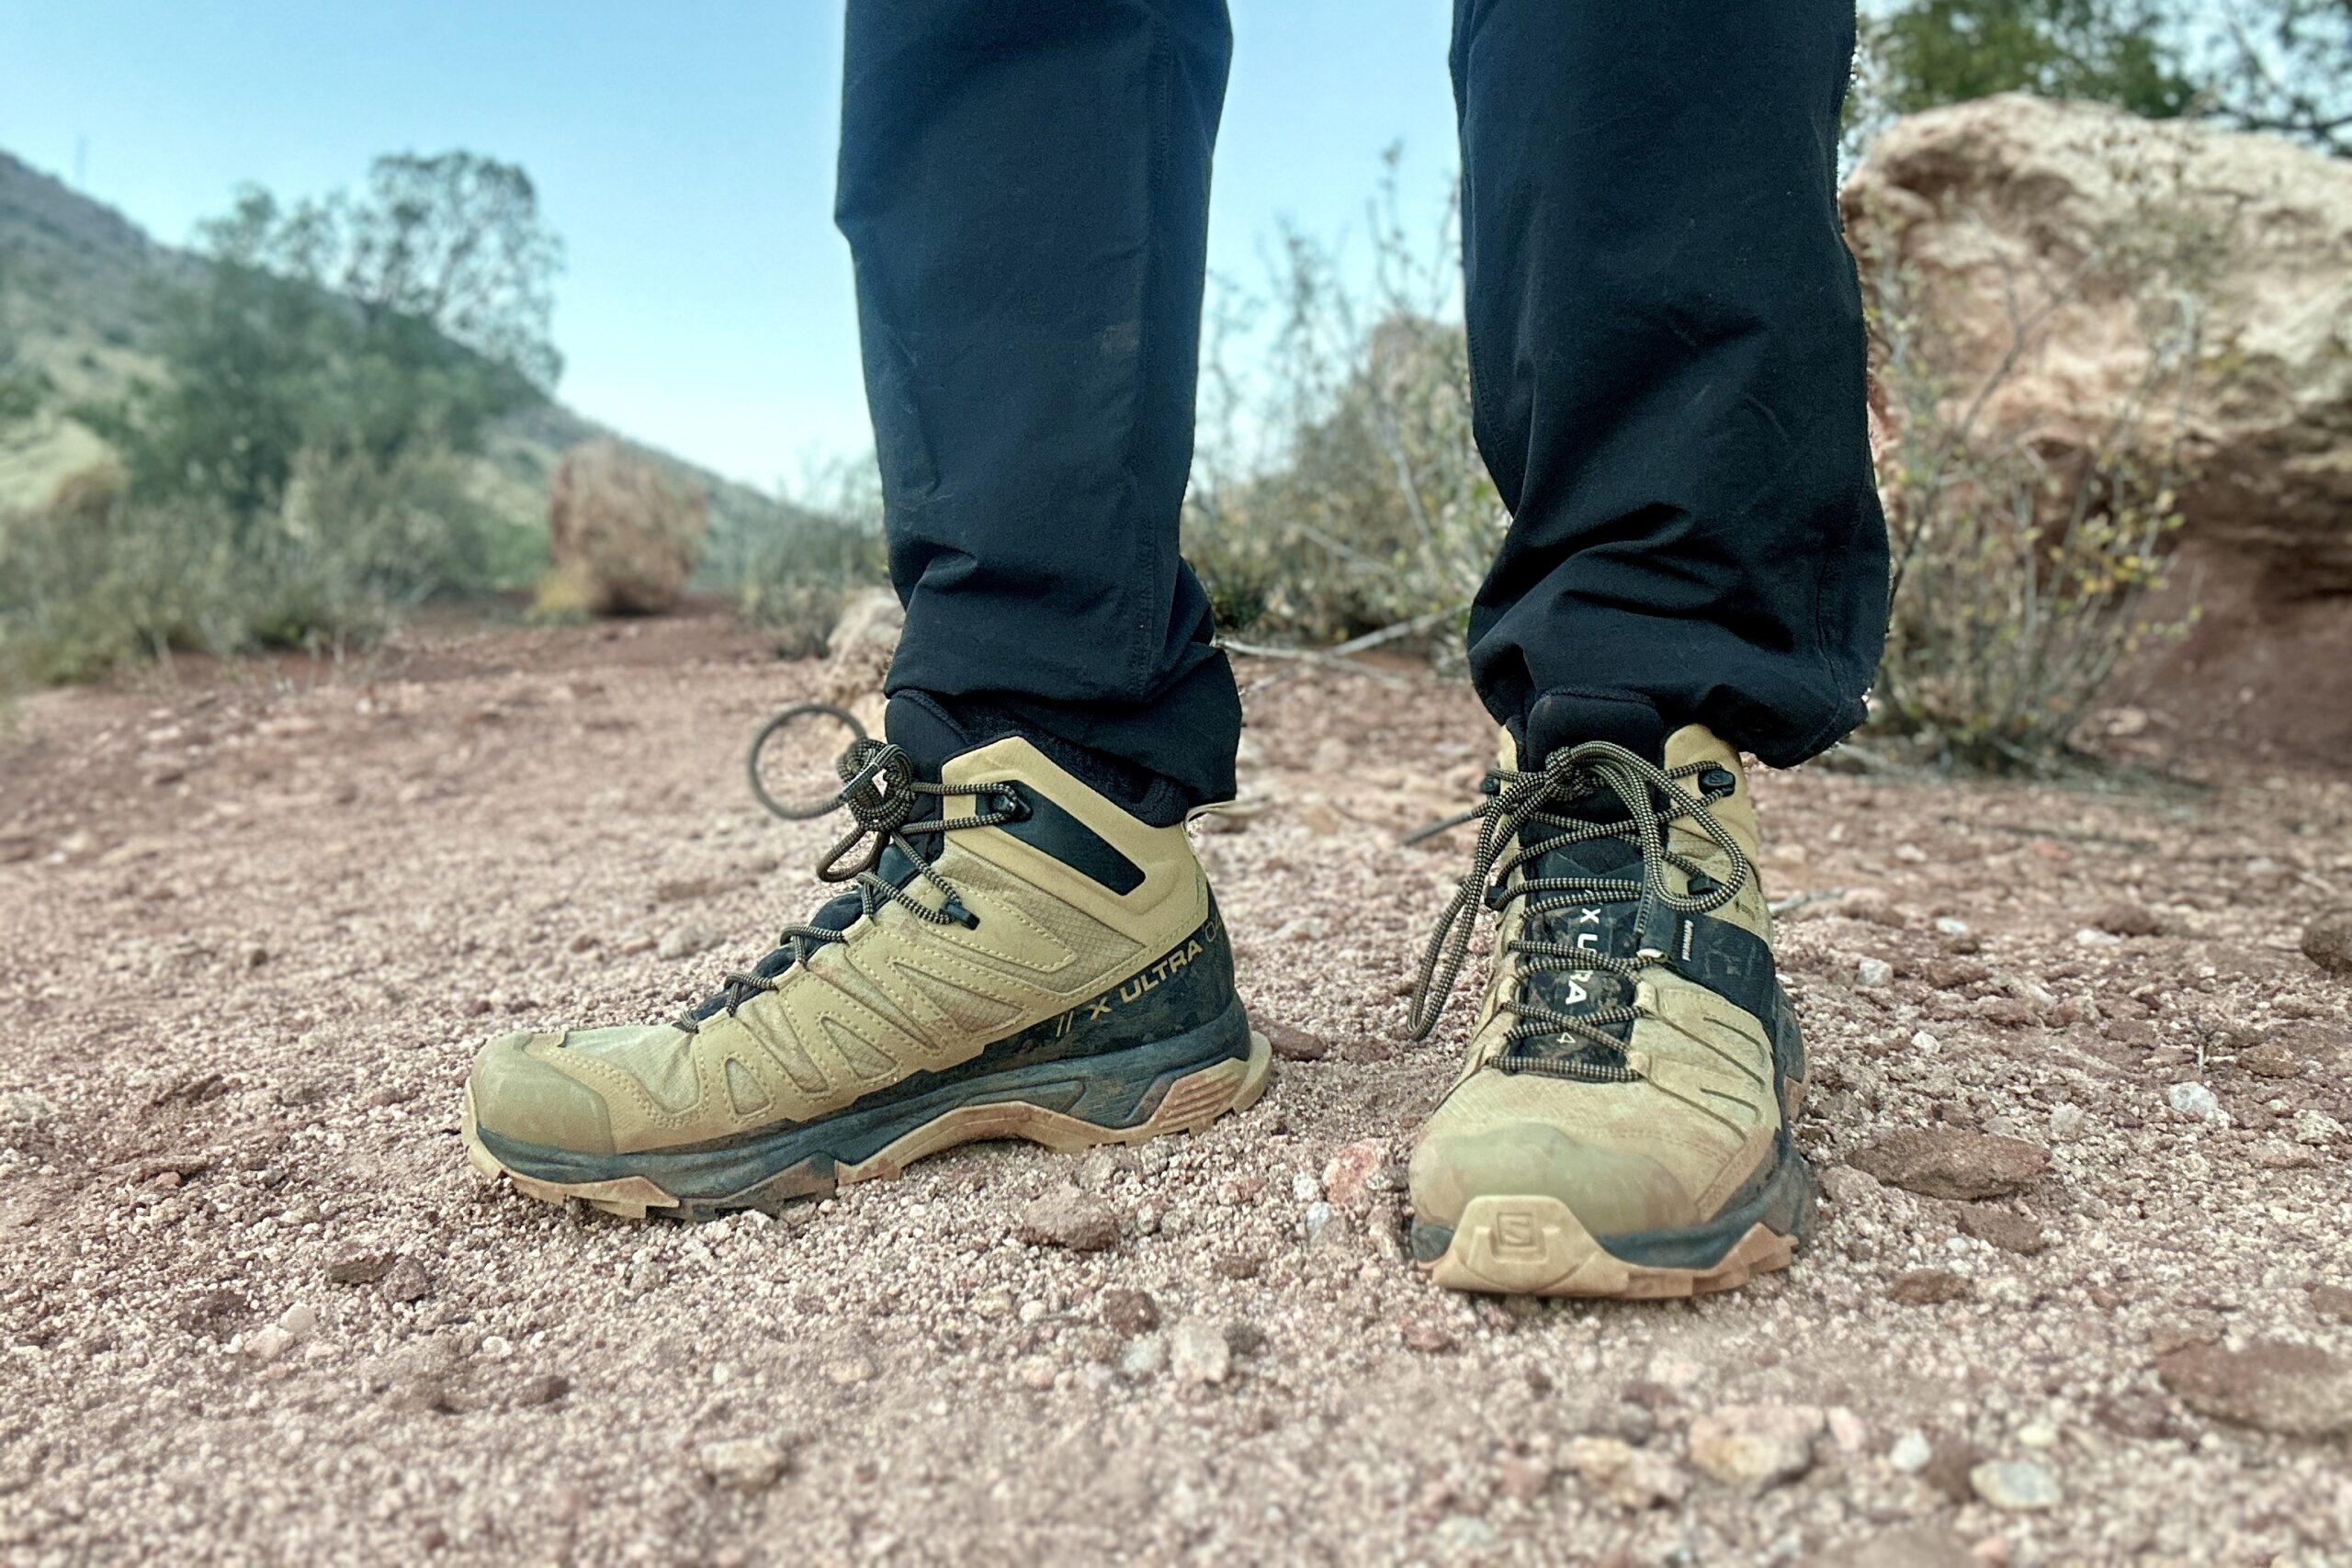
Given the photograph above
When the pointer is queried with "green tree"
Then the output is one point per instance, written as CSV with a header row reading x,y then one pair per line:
x,y
1942,51
2281,66
453,243
414,314
22,386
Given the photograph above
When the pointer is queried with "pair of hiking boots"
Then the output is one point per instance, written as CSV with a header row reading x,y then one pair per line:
x,y
1016,956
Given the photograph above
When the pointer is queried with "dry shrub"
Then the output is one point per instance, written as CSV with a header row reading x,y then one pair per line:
x,y
792,567
1339,489
101,575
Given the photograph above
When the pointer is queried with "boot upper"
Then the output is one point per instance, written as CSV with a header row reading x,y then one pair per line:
x,y
1059,905
1664,1127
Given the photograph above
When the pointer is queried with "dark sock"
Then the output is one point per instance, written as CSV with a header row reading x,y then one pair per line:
x,y
1565,716
931,729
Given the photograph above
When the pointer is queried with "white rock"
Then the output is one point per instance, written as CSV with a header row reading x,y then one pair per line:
x,y
2317,1127
2067,1121
1911,1452
1631,1478
1197,1351
1755,1447
1923,1040
2017,1485
1144,1356
299,1319
744,1464
1874,972
267,1343
685,941
2194,1099
1946,925
2091,936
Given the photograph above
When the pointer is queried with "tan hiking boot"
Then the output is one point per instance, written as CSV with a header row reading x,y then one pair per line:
x,y
1620,1127
1018,957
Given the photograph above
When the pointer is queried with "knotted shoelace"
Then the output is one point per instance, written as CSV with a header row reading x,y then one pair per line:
x,y
1522,819
881,793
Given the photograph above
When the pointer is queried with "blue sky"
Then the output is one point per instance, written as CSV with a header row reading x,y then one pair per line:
x,y
684,151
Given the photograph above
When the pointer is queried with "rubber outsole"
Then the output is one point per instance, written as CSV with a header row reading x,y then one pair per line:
x,y
1190,1103
1536,1246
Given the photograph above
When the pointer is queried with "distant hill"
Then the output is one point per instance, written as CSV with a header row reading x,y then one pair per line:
x,y
78,287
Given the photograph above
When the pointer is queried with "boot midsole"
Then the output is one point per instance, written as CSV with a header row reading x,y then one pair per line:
x,y
1114,1090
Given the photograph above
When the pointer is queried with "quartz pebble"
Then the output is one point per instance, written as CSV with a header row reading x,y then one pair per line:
x,y
2015,1485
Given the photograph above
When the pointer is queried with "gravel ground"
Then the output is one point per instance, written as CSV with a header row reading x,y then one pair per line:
x,y
257,1308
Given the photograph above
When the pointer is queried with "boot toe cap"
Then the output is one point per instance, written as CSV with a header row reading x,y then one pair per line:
x,y
1611,1191
518,1094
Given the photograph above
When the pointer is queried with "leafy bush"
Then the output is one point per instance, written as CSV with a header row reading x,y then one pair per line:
x,y
302,472
103,575
791,567
1340,490
2278,66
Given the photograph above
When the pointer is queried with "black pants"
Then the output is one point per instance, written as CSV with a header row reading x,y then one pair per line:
x,y
1665,349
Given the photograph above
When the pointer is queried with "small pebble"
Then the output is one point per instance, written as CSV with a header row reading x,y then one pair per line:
x,y
1144,1357
685,941
1127,1313
1199,1352
2194,1099
1066,1217
1911,1452
745,1464
406,1280
2015,1485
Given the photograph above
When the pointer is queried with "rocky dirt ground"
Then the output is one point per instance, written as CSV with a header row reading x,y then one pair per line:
x,y
2082,1291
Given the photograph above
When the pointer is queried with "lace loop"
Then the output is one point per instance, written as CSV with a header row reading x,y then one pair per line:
x,y
1519,802
881,790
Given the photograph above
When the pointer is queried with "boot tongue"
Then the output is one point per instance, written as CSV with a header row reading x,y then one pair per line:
x,y
928,738
1561,720
1558,721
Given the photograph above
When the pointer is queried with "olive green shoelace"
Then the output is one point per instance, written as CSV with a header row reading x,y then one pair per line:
x,y
881,793
1524,818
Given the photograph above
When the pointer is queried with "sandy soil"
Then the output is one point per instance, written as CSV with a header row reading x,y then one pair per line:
x,y
256,1307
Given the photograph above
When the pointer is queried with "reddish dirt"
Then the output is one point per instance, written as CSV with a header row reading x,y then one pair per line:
x,y
2265,671
256,1307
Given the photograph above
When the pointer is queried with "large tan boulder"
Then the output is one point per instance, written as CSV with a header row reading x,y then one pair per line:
x,y
2102,236
624,532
